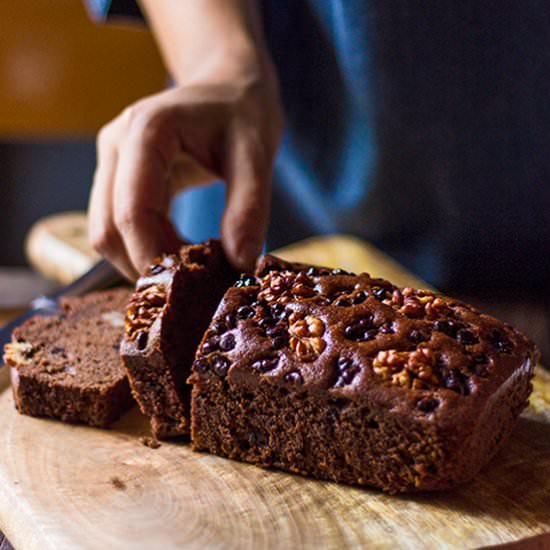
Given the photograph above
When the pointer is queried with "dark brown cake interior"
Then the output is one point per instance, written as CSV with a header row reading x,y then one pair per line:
x,y
68,365
173,304
192,303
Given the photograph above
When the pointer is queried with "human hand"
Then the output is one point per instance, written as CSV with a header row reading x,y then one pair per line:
x,y
186,136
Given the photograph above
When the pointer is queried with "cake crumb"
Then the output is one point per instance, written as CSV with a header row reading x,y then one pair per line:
x,y
150,442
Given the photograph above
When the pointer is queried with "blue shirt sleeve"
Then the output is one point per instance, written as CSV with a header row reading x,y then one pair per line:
x,y
101,10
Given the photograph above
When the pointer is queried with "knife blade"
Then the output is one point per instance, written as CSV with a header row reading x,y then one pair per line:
x,y
100,276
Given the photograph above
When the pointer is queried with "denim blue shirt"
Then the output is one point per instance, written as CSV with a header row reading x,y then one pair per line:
x,y
423,127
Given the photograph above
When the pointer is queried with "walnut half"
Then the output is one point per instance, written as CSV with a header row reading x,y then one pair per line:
x,y
409,369
306,336
145,306
18,353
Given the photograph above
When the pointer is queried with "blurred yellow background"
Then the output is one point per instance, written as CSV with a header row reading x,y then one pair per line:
x,y
62,74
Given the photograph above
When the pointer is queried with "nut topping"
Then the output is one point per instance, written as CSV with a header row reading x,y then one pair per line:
x,y
145,306
409,369
18,353
407,338
285,286
305,336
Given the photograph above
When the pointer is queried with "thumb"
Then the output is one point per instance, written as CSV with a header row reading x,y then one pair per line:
x,y
246,216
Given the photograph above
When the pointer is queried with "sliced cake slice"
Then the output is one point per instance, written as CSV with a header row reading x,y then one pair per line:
x,y
169,311
349,378
68,366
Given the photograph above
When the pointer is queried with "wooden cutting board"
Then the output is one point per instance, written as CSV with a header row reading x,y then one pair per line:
x,y
64,486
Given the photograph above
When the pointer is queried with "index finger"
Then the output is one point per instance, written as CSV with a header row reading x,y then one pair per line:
x,y
141,195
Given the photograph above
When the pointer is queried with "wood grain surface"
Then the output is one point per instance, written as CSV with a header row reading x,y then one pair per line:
x,y
57,246
66,486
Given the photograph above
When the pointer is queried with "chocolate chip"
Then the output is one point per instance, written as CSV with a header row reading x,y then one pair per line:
x,y
416,336
301,277
360,297
217,328
266,364
360,330
274,331
500,341
220,364
312,271
379,293
480,358
346,370
155,269
350,332
342,302
231,320
210,345
201,365
59,349
369,335
294,377
455,381
428,404
280,342
141,340
246,280
339,271
245,312
481,370
346,377
466,337
344,363
227,343
365,322
279,312
386,328
450,328
266,322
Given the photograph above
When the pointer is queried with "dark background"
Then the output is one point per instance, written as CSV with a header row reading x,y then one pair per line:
x,y
38,179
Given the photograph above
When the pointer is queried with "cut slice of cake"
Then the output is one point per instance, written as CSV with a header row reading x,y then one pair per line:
x,y
348,378
68,366
169,311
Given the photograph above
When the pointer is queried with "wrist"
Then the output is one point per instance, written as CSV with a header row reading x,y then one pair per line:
x,y
239,61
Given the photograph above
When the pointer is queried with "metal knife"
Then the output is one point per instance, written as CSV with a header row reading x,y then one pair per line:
x,y
101,275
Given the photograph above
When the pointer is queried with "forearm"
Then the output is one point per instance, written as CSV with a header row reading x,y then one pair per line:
x,y
214,39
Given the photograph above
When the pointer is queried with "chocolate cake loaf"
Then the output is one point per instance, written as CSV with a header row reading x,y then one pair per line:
x,y
68,366
348,378
169,311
